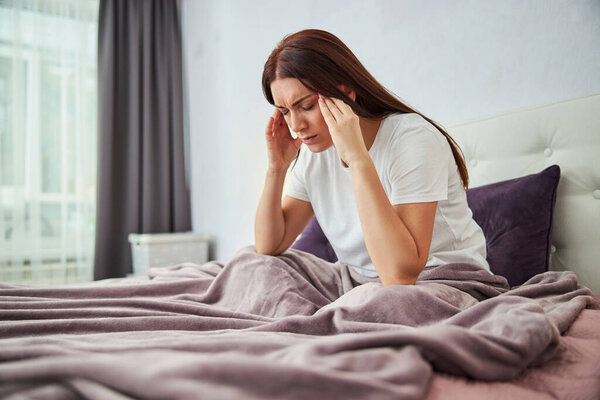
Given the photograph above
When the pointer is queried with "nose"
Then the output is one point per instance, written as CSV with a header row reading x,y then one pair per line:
x,y
297,122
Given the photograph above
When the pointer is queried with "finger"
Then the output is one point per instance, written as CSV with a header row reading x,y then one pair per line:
x,y
329,118
277,116
276,119
297,143
335,110
269,128
273,120
342,105
282,123
280,126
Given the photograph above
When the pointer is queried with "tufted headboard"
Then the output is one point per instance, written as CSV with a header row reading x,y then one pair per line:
x,y
526,141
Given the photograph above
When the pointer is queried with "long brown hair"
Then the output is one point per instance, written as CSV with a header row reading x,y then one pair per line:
x,y
323,63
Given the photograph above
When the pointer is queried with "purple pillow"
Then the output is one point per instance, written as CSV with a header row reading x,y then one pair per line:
x,y
516,219
314,241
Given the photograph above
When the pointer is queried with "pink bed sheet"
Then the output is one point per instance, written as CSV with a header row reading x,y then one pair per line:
x,y
573,373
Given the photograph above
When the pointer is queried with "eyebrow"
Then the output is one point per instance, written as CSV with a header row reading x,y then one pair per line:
x,y
297,101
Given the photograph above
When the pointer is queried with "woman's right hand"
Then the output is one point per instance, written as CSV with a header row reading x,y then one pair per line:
x,y
281,146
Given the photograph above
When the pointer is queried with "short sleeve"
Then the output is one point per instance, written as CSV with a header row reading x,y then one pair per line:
x,y
418,168
297,188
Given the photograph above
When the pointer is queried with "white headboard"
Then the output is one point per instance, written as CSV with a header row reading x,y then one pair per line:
x,y
526,141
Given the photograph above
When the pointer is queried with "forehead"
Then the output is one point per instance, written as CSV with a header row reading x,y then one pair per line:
x,y
287,90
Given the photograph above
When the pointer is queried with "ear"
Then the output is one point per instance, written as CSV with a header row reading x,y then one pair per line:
x,y
348,92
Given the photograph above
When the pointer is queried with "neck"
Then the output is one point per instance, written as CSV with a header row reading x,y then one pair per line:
x,y
369,128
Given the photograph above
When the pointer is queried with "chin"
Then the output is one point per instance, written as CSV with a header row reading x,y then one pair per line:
x,y
318,147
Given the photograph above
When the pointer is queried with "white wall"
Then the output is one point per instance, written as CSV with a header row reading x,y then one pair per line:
x,y
452,60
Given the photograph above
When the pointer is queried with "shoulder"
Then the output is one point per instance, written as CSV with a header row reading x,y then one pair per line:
x,y
410,131
408,123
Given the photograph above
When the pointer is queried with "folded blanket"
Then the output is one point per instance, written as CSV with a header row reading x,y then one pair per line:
x,y
286,327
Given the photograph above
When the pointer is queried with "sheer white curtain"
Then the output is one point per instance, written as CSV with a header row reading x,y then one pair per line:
x,y
48,135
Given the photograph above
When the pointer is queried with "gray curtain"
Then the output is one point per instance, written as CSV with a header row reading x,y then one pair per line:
x,y
142,185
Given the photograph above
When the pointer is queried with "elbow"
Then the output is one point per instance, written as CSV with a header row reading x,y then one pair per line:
x,y
403,274
267,245
263,250
260,248
260,251
266,251
391,281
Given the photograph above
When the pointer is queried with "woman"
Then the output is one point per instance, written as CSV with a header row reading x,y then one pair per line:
x,y
386,184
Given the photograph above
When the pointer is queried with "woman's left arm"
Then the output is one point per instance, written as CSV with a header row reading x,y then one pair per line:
x,y
397,237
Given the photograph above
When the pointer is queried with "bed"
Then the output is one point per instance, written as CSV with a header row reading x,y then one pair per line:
x,y
282,327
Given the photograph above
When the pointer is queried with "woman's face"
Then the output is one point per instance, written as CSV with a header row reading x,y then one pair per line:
x,y
300,108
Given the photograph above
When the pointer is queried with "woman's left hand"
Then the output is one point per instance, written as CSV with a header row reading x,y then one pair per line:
x,y
344,128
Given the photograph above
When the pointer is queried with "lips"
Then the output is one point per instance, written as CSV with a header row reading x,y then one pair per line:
x,y
309,139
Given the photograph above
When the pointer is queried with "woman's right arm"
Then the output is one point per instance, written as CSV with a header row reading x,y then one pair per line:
x,y
278,222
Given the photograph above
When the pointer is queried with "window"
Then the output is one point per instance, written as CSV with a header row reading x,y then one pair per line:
x,y
48,103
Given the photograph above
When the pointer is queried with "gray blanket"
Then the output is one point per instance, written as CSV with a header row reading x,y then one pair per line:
x,y
287,327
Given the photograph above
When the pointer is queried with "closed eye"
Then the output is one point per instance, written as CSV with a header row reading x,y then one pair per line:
x,y
284,113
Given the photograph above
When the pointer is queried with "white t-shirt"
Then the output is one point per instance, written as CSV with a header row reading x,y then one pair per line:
x,y
415,164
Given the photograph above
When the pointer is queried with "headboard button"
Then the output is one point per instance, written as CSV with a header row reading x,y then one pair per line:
x,y
473,163
596,194
552,249
548,152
